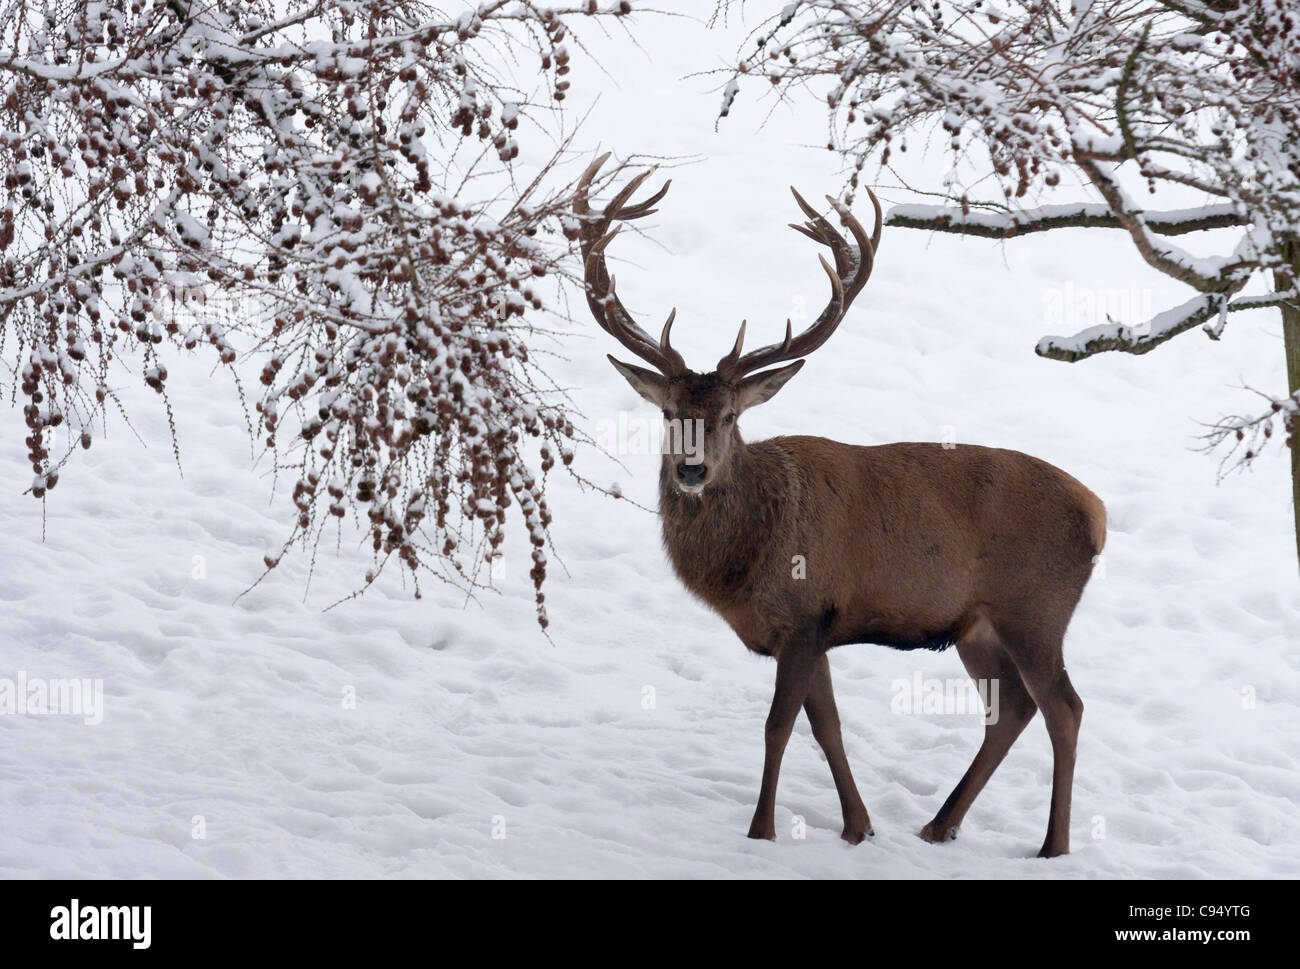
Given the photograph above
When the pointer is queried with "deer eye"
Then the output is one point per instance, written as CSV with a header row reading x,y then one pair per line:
x,y
730,418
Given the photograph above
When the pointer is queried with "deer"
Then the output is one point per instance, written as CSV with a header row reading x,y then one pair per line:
x,y
914,546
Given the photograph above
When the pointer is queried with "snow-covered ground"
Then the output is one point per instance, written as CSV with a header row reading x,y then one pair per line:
x,y
476,748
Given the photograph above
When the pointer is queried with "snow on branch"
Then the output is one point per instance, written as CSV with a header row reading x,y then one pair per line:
x,y
1163,327
1006,224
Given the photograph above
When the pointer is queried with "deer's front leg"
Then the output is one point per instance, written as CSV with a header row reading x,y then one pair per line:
x,y
825,721
795,666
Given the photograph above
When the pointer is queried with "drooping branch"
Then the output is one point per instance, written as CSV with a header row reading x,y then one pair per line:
x,y
329,190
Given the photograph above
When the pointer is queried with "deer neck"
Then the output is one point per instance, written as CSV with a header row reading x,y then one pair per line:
x,y
717,540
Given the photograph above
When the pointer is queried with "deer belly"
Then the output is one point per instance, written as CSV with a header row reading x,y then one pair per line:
x,y
896,634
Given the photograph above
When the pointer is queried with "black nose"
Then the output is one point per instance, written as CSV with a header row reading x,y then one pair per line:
x,y
691,474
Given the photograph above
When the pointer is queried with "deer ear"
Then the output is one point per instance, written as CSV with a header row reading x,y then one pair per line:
x,y
763,386
650,385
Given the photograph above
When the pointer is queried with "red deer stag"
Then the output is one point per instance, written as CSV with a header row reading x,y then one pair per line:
x,y
914,546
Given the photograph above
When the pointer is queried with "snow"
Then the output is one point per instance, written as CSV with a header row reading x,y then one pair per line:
x,y
191,229
395,737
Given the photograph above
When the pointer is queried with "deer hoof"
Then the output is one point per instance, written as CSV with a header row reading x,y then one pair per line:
x,y
936,834
855,834
761,833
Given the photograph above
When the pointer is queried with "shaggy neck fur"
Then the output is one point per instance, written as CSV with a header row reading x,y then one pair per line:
x,y
720,539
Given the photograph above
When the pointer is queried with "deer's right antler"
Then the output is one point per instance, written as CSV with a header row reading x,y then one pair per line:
x,y
596,235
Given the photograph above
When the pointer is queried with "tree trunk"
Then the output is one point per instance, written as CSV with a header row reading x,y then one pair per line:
x,y
1291,341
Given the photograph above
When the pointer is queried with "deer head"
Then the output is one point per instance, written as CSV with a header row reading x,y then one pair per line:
x,y
702,409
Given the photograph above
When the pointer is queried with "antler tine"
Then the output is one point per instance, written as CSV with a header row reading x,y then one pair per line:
x,y
580,206
729,361
880,220
853,265
664,345
595,236
645,208
837,286
806,231
808,210
616,210
612,210
820,229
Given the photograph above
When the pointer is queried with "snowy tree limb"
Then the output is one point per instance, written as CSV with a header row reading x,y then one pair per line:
x,y
1005,225
1144,338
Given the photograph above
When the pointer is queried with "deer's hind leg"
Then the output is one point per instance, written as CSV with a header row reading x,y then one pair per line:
x,y
988,662
1063,712
1036,649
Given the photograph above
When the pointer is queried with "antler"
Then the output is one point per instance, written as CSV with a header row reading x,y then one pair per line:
x,y
596,235
852,269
